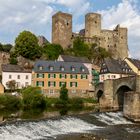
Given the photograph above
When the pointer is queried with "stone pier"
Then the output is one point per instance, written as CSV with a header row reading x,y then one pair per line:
x,y
131,108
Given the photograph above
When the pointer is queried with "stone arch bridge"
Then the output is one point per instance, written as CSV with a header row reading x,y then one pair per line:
x,y
110,94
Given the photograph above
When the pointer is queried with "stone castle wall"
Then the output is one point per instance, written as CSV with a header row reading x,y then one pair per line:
x,y
114,41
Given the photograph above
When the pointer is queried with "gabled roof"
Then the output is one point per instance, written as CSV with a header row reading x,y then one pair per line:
x,y
14,68
68,58
116,66
57,65
135,62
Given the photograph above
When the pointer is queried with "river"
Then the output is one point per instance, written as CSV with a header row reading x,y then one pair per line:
x,y
107,125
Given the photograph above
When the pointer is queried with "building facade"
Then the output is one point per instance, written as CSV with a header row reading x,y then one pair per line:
x,y
21,76
134,64
52,75
114,69
114,41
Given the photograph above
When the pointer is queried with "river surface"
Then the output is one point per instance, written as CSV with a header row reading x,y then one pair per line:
x,y
108,125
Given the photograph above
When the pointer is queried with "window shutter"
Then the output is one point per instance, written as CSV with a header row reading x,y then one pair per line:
x,y
48,75
60,75
76,76
59,84
43,84
37,75
48,84
43,75
65,76
54,84
76,84
54,75
70,84
37,83
71,76
86,76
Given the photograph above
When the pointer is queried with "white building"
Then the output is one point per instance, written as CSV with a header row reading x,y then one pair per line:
x,y
21,76
114,69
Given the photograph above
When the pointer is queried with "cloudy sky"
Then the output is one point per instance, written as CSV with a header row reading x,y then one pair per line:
x,y
35,16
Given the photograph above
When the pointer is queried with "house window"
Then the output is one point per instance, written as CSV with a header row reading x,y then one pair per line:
x,y
51,75
17,84
40,75
40,84
27,77
73,84
73,76
63,76
51,84
73,91
51,91
10,76
62,83
26,84
83,76
18,77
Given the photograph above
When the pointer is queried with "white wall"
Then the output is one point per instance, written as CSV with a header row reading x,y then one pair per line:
x,y
107,76
22,81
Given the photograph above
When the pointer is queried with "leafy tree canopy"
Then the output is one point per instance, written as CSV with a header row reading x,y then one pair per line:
x,y
26,45
52,51
5,47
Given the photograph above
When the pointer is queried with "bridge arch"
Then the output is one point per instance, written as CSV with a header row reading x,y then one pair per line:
x,y
119,94
99,94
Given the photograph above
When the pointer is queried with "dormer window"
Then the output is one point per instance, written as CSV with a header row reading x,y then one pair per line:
x,y
72,68
40,67
82,69
62,68
51,68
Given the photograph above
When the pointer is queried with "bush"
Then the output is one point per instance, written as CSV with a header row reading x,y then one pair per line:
x,y
64,93
10,102
76,103
32,98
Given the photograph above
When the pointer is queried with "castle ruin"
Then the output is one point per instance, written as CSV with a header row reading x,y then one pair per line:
x,y
114,41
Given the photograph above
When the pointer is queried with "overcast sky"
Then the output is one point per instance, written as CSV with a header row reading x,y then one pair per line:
x,y
35,16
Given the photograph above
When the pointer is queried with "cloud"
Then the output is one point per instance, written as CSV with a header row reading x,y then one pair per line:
x,y
127,15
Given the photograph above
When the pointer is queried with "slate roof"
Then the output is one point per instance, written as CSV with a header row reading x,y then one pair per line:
x,y
14,68
136,62
68,58
57,65
116,66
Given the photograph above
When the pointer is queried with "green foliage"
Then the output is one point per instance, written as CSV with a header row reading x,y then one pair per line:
x,y
76,103
13,60
80,48
51,51
10,102
97,54
5,47
32,98
90,100
26,45
64,93
11,85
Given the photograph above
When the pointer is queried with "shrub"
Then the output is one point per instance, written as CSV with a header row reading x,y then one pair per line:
x,y
10,102
76,102
32,98
64,93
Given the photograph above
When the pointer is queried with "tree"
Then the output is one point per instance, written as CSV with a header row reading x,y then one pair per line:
x,y
64,93
11,85
32,98
80,48
26,45
1,47
7,47
52,51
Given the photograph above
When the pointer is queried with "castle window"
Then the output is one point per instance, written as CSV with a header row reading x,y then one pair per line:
x,y
51,68
62,68
67,23
72,68
40,67
95,22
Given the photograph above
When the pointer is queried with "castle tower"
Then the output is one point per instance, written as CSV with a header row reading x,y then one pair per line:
x,y
62,29
122,47
92,24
